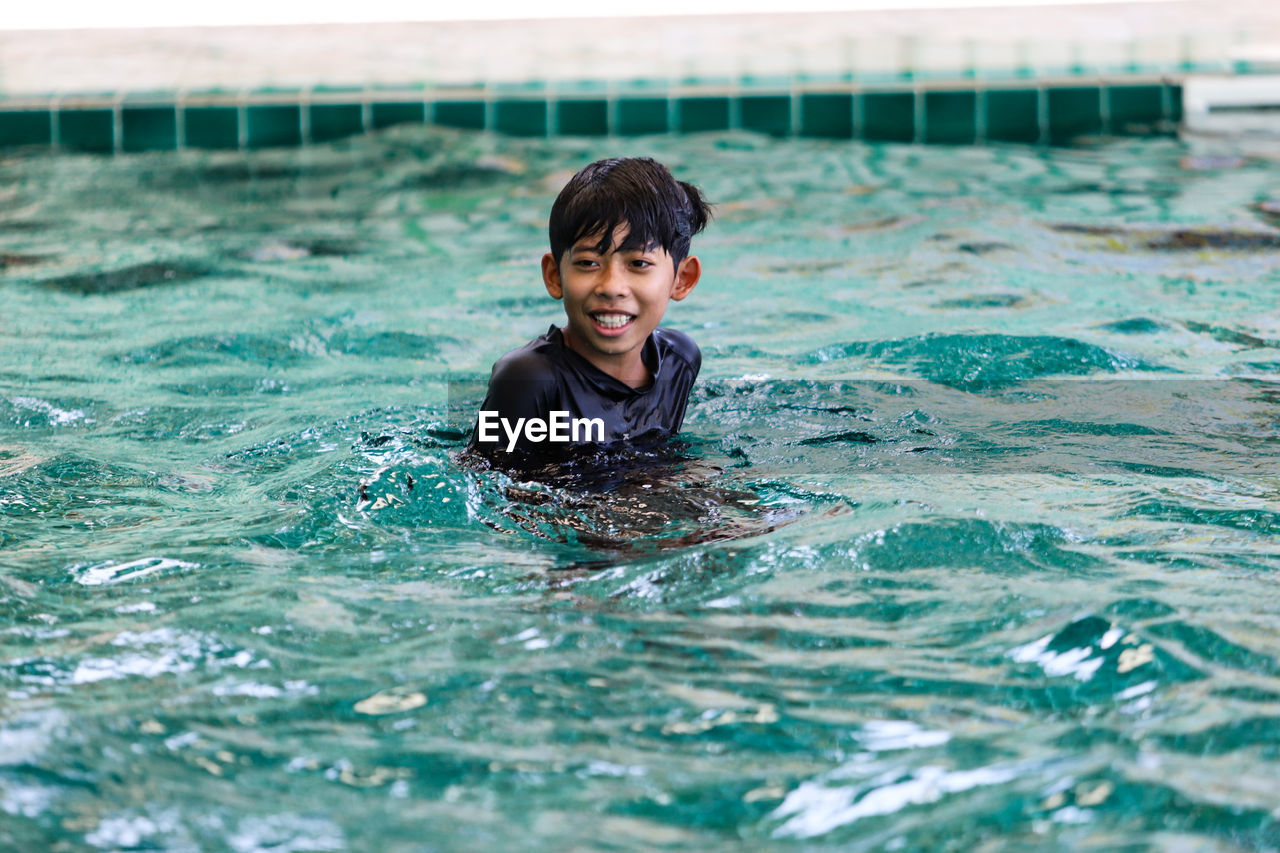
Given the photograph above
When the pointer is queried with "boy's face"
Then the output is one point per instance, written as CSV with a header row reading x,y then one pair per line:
x,y
615,299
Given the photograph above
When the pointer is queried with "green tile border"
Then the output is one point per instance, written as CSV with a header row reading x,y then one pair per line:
x,y
638,116
581,117
956,112
769,114
86,130
335,121
149,128
951,117
274,126
390,113
20,128
211,127
888,116
468,115
704,114
1011,115
1074,111
828,115
519,117
1133,110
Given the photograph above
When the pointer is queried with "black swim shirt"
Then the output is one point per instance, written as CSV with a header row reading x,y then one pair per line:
x,y
546,376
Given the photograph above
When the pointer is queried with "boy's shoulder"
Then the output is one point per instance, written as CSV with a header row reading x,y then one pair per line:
x,y
676,343
534,360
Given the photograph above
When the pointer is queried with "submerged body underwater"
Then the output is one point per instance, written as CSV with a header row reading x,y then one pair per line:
x,y
966,539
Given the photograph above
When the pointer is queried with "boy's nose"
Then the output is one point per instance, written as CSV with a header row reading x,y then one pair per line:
x,y
612,281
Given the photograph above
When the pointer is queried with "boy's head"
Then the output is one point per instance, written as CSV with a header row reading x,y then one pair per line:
x,y
620,233
635,192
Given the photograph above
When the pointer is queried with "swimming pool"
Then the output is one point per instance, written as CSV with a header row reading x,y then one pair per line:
x,y
971,544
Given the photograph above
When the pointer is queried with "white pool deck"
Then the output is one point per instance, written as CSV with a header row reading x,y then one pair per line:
x,y
1205,33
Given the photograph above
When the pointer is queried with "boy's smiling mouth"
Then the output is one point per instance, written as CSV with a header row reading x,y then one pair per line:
x,y
611,322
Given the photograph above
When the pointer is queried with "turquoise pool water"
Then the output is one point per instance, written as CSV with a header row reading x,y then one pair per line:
x,y
968,543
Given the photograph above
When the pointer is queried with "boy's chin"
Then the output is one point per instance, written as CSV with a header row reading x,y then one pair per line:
x,y
612,345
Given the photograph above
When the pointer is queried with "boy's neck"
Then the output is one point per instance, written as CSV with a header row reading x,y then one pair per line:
x,y
628,368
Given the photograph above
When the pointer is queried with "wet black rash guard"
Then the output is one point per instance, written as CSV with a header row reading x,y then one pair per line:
x,y
545,376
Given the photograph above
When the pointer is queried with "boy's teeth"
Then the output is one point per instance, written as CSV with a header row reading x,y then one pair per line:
x,y
613,321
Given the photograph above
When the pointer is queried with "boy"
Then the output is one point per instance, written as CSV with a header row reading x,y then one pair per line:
x,y
620,234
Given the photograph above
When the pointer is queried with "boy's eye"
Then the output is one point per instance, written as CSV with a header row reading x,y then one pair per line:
x,y
641,263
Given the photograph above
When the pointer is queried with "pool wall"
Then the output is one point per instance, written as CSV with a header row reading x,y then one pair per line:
x,y
1034,112
1043,76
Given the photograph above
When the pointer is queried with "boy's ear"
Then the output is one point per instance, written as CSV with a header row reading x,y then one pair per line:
x,y
551,276
687,275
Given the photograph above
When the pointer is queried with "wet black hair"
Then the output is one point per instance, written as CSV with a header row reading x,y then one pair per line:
x,y
637,192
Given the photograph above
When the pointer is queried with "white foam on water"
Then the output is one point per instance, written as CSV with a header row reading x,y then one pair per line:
x,y
885,735
1078,662
179,652
815,807
100,669
112,572
1138,690
139,607
1072,814
258,690
57,416
26,800
24,738
122,832
286,833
